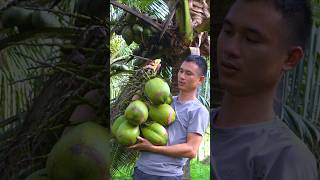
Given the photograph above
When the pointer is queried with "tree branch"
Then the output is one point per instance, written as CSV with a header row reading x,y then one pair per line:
x,y
139,15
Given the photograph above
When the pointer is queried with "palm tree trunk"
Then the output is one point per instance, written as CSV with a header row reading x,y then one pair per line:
x,y
186,171
175,70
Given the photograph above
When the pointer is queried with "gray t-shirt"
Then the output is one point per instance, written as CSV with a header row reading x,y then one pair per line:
x,y
263,151
191,117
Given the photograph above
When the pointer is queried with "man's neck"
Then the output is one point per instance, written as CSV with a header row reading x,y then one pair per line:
x,y
186,96
236,110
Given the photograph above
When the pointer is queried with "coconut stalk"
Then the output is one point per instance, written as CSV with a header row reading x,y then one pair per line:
x,y
184,22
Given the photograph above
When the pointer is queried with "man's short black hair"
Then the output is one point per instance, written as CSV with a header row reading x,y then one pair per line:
x,y
200,61
298,17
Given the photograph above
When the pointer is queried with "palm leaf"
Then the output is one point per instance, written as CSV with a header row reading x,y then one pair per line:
x,y
30,69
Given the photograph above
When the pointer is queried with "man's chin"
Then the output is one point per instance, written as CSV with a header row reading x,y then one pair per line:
x,y
240,90
227,83
181,88
232,87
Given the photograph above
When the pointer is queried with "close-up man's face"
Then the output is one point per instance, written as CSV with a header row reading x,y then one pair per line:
x,y
251,47
189,76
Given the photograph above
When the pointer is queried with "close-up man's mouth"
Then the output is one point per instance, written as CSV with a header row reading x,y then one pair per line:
x,y
227,66
181,83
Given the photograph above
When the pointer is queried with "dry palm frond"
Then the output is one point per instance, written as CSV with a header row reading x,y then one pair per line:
x,y
199,10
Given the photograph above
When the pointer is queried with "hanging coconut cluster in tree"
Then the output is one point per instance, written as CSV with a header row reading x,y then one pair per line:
x,y
135,30
151,113
27,19
63,133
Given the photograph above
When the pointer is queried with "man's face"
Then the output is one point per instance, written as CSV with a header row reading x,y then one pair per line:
x,y
251,48
189,76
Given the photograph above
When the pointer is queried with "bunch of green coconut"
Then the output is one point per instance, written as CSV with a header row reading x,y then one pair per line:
x,y
135,30
150,116
27,19
83,153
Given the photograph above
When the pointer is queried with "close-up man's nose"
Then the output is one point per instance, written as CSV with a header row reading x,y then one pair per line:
x,y
230,46
181,75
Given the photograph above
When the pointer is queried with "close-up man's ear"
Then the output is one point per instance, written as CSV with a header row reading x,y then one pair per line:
x,y
202,79
295,55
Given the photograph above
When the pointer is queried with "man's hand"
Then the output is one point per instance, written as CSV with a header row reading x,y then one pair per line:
x,y
188,149
143,145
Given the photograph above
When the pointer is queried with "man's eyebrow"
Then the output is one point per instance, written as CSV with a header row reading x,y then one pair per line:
x,y
189,71
248,29
254,31
186,70
227,22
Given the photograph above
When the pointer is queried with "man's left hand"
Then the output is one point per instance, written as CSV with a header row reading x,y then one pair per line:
x,y
142,145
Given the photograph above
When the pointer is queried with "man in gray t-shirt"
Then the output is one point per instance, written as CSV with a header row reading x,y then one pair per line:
x,y
185,134
259,41
262,151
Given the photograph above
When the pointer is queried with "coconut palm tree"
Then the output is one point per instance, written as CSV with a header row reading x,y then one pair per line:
x,y
53,74
166,30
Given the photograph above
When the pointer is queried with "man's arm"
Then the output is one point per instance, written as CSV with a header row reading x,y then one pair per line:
x,y
188,149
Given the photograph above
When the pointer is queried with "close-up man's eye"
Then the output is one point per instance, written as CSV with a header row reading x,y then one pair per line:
x,y
252,40
227,31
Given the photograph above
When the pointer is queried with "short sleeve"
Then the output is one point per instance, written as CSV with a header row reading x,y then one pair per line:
x,y
294,163
199,120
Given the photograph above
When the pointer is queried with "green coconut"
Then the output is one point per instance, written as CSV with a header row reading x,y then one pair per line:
x,y
137,38
169,100
163,114
130,18
17,16
126,133
136,112
38,175
138,32
137,29
82,153
147,33
127,34
157,90
117,123
155,133
41,19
